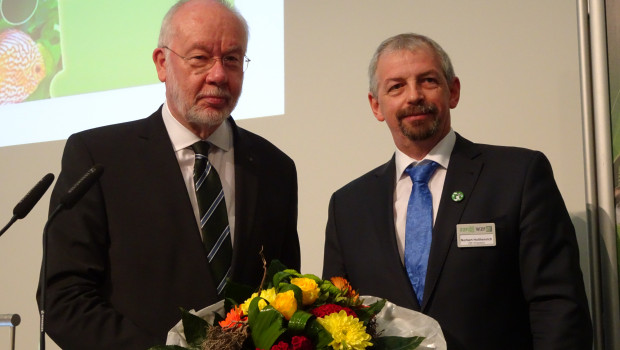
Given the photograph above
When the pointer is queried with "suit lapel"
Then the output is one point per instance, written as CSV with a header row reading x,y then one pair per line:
x,y
383,211
156,148
168,191
246,190
462,175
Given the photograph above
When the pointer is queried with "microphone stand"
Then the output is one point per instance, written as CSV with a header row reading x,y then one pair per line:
x,y
44,276
11,222
67,201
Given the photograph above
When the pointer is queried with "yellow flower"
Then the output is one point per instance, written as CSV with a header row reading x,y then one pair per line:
x,y
267,294
285,303
348,332
309,288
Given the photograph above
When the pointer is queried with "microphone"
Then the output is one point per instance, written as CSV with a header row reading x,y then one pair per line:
x,y
79,189
67,201
30,200
10,320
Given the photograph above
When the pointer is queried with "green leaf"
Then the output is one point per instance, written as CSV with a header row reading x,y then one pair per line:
x,y
366,313
298,321
315,278
274,267
328,287
265,324
328,293
216,319
283,277
320,336
194,327
397,343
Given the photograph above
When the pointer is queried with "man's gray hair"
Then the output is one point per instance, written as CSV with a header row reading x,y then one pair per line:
x,y
166,30
410,42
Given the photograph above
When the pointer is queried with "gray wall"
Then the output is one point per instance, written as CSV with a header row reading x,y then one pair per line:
x,y
518,65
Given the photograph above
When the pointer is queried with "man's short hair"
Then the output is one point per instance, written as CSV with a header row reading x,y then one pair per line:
x,y
165,31
410,42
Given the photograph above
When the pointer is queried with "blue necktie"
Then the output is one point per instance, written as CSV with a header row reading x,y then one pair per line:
x,y
419,227
213,216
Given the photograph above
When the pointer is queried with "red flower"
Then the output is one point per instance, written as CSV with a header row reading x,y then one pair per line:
x,y
329,309
297,343
280,346
301,343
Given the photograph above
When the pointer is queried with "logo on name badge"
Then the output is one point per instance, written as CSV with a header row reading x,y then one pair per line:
x,y
475,235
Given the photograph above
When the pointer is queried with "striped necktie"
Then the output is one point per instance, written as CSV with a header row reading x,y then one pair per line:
x,y
213,215
419,226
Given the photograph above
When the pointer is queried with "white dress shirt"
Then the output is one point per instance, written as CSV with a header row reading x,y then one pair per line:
x,y
440,154
221,157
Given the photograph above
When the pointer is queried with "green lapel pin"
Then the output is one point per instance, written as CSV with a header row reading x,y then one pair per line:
x,y
457,196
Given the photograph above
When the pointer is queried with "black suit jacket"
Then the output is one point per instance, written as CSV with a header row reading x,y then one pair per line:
x,y
527,292
129,254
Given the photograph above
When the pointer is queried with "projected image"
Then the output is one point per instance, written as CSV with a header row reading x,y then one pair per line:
x,y
102,39
71,65
86,47
29,49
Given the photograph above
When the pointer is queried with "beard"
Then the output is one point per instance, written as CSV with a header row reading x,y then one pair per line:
x,y
195,113
419,130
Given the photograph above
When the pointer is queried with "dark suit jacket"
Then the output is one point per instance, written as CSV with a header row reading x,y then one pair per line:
x,y
527,292
129,254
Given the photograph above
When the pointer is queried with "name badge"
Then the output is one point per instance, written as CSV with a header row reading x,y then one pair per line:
x,y
475,235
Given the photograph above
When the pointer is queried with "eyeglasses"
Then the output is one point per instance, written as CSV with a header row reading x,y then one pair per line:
x,y
202,63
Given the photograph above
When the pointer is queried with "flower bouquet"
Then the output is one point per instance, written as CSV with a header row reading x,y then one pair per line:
x,y
292,311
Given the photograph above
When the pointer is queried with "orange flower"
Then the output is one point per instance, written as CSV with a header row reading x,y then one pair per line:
x,y
234,318
342,284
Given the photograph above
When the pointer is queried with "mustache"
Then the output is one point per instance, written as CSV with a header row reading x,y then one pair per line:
x,y
218,92
417,109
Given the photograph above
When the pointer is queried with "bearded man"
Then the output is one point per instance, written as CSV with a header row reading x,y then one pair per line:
x,y
187,200
475,236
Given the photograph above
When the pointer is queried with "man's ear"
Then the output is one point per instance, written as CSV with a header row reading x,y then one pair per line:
x,y
159,58
374,105
455,92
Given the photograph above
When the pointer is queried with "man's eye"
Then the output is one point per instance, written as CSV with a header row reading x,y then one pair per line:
x,y
430,81
232,59
394,87
199,60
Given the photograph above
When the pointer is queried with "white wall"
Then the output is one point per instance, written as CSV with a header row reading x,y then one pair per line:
x,y
518,65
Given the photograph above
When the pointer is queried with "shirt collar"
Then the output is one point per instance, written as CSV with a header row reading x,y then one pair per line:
x,y
182,137
439,154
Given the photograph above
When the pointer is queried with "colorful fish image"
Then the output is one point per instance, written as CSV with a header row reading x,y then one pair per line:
x,y
21,66
30,51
